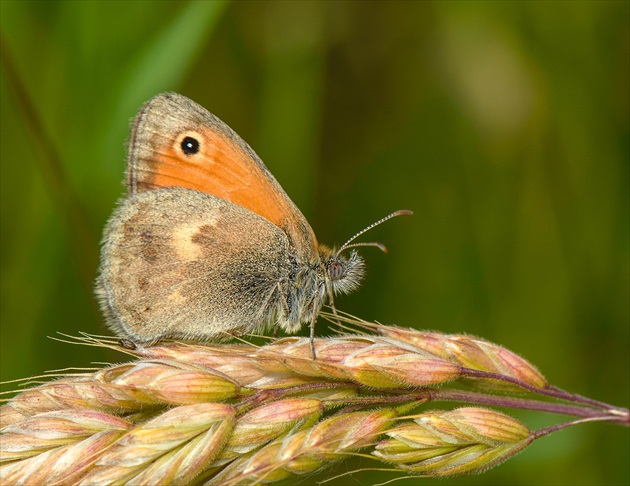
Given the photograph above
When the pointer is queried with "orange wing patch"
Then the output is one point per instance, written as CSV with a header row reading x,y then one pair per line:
x,y
177,143
219,168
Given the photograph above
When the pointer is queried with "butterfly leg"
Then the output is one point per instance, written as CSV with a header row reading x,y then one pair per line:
x,y
331,301
285,308
313,335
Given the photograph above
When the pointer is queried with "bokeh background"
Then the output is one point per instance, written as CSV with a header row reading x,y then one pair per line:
x,y
503,125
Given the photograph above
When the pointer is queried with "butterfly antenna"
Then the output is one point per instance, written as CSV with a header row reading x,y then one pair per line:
x,y
381,246
377,244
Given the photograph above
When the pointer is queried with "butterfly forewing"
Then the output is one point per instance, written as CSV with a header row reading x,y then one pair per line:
x,y
177,143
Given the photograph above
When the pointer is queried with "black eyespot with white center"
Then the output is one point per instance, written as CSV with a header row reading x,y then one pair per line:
x,y
335,270
190,145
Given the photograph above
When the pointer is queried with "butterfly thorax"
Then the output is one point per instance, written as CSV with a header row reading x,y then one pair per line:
x,y
315,282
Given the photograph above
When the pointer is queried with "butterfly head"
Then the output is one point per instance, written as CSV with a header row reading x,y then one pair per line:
x,y
342,272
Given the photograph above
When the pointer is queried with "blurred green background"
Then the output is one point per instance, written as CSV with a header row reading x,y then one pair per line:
x,y
503,125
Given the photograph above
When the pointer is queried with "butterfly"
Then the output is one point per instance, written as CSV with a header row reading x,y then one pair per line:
x,y
206,243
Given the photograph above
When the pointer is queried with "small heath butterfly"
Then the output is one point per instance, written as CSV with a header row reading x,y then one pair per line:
x,y
207,244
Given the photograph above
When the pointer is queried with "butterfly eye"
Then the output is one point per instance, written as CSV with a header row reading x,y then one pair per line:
x,y
335,270
190,145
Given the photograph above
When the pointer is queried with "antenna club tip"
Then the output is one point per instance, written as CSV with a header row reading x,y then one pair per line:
x,y
347,244
381,247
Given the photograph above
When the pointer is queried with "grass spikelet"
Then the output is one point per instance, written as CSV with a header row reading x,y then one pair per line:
x,y
236,414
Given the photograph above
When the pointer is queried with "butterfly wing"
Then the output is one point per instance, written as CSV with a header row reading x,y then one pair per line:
x,y
177,143
187,265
